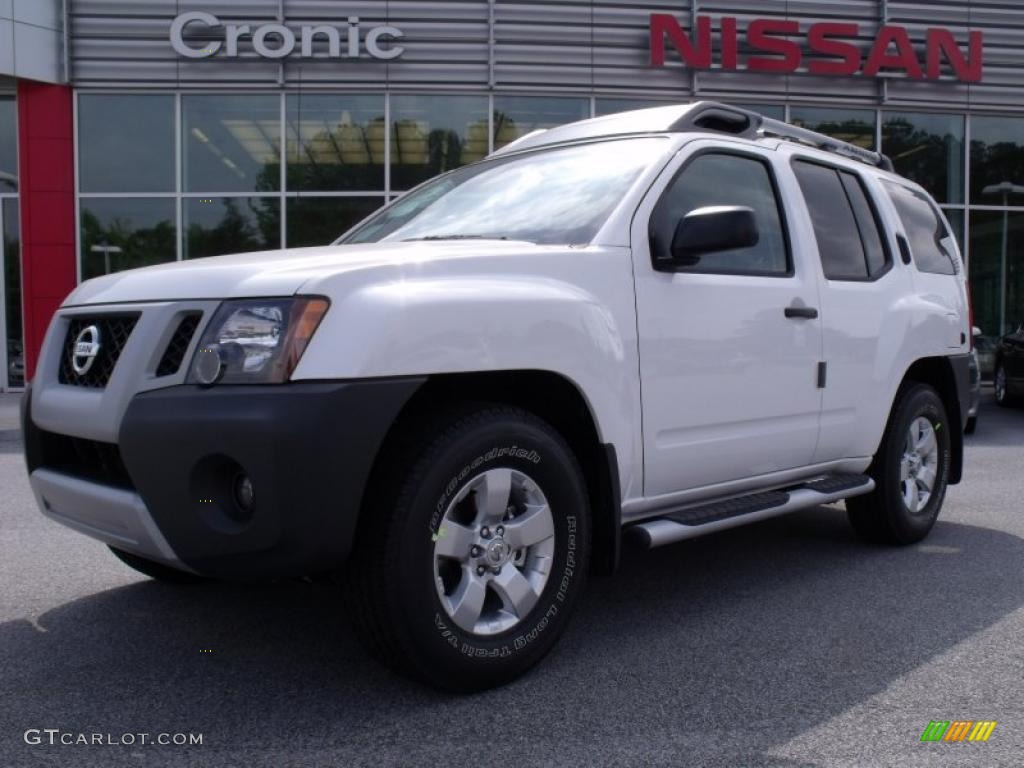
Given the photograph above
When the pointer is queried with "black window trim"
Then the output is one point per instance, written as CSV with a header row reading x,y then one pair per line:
x,y
883,232
779,205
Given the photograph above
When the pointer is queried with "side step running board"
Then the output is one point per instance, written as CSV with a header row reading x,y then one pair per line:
x,y
696,521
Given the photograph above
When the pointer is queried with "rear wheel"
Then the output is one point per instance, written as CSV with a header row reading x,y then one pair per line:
x,y
473,551
157,571
911,471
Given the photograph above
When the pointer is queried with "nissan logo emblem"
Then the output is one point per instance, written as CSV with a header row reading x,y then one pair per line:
x,y
87,346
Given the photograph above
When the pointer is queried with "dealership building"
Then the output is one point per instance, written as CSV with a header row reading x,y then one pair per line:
x,y
136,132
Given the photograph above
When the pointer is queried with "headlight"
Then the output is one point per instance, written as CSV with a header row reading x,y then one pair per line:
x,y
255,341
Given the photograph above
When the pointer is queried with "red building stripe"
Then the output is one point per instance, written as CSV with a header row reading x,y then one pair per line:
x,y
46,180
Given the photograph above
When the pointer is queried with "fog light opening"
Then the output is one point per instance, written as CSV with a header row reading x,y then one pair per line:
x,y
244,494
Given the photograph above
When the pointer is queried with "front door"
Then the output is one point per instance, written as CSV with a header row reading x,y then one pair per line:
x,y
728,376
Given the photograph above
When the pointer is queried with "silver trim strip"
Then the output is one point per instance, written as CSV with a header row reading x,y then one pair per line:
x,y
654,506
657,533
114,516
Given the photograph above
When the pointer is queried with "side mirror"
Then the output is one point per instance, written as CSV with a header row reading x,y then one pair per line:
x,y
710,230
976,332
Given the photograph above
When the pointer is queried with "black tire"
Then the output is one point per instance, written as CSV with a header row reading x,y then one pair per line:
x,y
882,516
1002,387
971,425
157,571
391,588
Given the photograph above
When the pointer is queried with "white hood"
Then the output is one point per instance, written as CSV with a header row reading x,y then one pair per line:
x,y
269,273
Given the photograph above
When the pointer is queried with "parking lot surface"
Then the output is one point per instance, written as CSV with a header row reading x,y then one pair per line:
x,y
787,643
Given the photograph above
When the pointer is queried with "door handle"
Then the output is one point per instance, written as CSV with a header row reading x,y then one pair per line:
x,y
805,312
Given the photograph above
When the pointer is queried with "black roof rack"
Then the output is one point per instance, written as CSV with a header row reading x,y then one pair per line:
x,y
699,116
712,116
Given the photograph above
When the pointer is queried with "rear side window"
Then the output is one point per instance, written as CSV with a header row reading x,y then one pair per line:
x,y
845,225
726,179
930,244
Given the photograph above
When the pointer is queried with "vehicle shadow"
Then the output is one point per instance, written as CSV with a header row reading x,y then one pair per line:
x,y
709,652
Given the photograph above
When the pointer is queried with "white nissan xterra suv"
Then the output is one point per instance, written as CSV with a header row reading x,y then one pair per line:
x,y
660,324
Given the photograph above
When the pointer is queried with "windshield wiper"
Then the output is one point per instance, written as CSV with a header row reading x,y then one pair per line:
x,y
456,237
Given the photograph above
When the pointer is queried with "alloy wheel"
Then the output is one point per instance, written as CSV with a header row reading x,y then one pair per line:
x,y
919,465
493,551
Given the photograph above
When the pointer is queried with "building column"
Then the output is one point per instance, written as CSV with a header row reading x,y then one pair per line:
x,y
46,160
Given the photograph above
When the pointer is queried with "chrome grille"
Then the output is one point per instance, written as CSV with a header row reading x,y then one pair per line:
x,y
114,331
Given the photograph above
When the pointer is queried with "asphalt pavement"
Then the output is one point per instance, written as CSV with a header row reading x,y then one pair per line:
x,y
788,643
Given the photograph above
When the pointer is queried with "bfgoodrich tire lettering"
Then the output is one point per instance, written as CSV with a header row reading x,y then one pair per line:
x,y
394,591
911,471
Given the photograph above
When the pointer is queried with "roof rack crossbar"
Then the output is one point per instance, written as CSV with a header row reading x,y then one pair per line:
x,y
781,130
713,116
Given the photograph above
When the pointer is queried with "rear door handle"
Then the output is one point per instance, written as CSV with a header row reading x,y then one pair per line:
x,y
806,312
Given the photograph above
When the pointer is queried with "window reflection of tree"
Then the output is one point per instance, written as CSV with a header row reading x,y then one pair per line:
x,y
926,157
140,246
851,131
992,163
347,156
247,224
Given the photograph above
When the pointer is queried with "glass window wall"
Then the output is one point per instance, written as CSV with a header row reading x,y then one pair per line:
x,y
8,145
217,225
126,143
516,116
124,233
856,126
997,158
434,134
929,149
231,143
12,294
335,142
997,270
13,356
322,220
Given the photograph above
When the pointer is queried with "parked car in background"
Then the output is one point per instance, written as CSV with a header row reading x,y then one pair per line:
x,y
1009,368
986,349
15,364
975,402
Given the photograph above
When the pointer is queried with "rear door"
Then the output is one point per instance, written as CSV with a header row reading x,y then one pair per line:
x,y
861,322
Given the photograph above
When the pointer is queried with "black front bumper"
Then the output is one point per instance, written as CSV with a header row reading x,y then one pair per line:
x,y
308,449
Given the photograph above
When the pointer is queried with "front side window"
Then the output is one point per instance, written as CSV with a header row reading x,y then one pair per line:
x,y
849,243
557,196
930,243
725,179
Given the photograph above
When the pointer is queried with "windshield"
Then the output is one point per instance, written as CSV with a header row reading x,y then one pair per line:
x,y
557,196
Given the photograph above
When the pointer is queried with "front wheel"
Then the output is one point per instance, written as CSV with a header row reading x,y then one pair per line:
x,y
473,551
911,471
